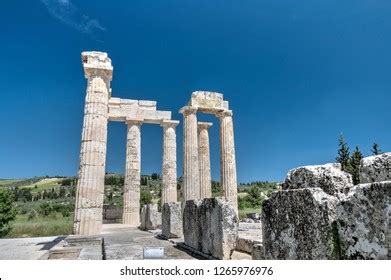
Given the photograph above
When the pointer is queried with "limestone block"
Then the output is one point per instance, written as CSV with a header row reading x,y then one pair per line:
x,y
192,225
147,104
219,223
94,61
299,224
211,226
150,217
172,226
258,252
364,222
143,217
254,216
376,168
208,101
329,177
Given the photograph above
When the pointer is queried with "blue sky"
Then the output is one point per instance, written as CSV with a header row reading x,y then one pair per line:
x,y
296,73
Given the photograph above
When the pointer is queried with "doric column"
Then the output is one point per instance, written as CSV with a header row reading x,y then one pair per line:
x,y
191,183
90,186
228,159
131,209
204,160
169,168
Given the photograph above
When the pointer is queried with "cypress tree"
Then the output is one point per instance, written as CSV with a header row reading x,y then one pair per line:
x,y
343,154
376,149
355,164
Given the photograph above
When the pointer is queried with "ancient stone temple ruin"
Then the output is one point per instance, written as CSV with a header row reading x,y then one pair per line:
x,y
101,107
196,162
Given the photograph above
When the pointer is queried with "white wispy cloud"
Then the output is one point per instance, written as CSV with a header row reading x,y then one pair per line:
x,y
69,14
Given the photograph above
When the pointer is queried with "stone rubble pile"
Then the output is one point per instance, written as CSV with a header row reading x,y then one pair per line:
x,y
319,214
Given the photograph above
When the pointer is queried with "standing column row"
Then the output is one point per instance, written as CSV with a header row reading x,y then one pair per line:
x,y
191,183
228,158
204,160
131,208
169,167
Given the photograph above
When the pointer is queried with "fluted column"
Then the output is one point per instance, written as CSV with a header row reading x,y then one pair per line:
x,y
169,168
90,185
131,208
228,158
191,183
204,160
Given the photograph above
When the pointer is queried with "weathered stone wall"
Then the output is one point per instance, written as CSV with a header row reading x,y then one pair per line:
x,y
172,226
298,224
304,222
376,168
211,226
364,222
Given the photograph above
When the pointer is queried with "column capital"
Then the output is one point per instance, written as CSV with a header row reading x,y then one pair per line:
x,y
169,123
188,110
138,122
204,125
223,114
97,64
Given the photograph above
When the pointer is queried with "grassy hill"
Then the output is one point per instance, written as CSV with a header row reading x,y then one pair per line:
x,y
45,205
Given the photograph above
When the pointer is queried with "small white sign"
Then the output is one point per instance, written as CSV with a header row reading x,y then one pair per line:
x,y
153,253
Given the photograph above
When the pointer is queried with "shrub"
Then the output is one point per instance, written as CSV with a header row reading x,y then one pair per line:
x,y
45,209
32,214
7,211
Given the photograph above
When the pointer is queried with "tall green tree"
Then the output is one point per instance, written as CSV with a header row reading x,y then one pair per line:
x,y
7,211
343,154
355,164
376,149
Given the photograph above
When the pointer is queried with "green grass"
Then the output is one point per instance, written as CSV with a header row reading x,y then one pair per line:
x,y
244,212
8,181
41,226
46,184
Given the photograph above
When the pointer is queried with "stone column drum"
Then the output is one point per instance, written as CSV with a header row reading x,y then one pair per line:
x,y
204,160
191,183
228,158
131,214
169,168
90,186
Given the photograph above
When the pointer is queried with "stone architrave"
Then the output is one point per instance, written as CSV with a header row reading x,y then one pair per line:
x,y
131,209
204,160
172,220
169,180
191,182
228,158
90,187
